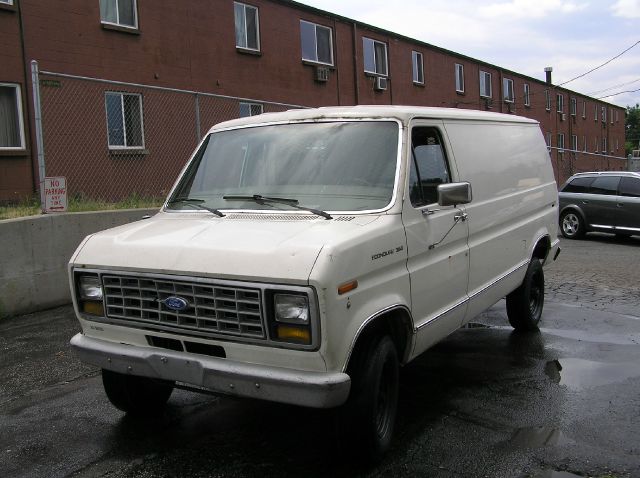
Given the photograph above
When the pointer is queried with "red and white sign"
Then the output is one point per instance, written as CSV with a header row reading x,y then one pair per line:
x,y
55,194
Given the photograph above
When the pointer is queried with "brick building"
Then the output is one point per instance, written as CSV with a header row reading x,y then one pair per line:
x,y
265,50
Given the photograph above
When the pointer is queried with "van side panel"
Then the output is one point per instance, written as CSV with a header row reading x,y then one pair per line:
x,y
514,201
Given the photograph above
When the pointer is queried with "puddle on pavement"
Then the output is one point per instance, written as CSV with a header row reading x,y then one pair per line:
x,y
579,374
536,437
599,338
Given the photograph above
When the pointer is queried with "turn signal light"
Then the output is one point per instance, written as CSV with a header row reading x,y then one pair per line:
x,y
347,287
289,333
93,308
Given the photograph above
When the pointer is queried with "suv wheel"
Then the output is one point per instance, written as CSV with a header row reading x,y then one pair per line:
x,y
571,225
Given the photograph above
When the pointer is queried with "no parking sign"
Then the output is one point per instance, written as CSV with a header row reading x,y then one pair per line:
x,y
55,194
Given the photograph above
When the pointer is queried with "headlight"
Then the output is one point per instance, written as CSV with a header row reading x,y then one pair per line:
x,y
90,294
292,309
90,288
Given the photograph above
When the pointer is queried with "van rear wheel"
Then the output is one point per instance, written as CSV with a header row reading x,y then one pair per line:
x,y
524,305
137,396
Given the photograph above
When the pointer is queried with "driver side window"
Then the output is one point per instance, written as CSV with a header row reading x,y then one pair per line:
x,y
429,166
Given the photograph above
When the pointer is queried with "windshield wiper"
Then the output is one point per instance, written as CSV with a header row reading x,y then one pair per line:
x,y
268,199
195,203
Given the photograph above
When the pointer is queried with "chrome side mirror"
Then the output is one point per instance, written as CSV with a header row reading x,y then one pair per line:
x,y
452,194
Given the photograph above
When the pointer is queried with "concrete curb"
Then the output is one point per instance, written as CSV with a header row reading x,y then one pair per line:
x,y
35,252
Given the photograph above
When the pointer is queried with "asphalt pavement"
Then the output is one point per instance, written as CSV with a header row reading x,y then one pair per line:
x,y
486,402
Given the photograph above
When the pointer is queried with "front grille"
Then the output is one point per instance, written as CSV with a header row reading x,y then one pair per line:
x,y
212,309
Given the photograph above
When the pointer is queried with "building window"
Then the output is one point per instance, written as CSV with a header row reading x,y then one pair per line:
x,y
527,98
548,138
604,145
617,144
559,103
507,90
604,114
375,56
316,42
561,142
611,115
584,109
596,143
7,2
617,119
247,27
547,100
124,120
418,67
574,142
459,78
11,122
485,84
574,106
122,13
250,109
595,113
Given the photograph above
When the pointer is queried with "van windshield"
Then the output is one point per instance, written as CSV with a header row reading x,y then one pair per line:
x,y
332,166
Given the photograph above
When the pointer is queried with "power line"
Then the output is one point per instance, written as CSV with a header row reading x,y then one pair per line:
x,y
613,87
618,93
600,66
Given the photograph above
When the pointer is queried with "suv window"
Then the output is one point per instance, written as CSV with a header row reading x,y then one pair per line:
x,y
428,168
578,185
605,185
630,187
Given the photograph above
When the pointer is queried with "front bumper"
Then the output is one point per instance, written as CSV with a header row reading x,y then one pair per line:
x,y
309,389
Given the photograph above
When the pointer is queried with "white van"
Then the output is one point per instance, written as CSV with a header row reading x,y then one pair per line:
x,y
302,257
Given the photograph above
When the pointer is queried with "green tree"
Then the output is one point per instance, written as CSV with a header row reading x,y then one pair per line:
x,y
632,128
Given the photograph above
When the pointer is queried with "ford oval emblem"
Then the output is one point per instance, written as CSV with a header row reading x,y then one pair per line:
x,y
175,303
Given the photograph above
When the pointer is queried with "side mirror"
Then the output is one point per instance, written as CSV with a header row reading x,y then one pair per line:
x,y
452,194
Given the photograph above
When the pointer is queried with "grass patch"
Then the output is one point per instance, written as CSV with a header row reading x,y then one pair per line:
x,y
31,207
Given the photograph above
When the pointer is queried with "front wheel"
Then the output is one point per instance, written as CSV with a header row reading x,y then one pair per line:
x,y
524,305
370,412
571,225
137,396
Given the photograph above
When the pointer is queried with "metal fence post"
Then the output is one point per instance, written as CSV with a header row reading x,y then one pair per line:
x,y
198,133
37,111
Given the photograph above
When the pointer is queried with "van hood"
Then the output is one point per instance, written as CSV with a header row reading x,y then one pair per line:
x,y
258,248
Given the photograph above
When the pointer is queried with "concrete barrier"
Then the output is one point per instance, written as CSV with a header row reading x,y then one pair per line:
x,y
34,252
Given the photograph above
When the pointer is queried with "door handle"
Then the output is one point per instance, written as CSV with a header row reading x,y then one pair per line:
x,y
620,204
460,217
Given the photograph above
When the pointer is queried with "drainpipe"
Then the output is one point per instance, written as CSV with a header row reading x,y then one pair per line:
x,y
355,63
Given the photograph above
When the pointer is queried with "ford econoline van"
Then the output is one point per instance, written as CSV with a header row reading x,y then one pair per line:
x,y
303,257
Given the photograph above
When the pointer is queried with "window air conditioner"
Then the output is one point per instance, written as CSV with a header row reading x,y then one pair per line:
x,y
380,83
322,74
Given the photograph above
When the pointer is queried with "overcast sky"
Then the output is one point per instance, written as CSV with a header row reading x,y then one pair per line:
x,y
572,36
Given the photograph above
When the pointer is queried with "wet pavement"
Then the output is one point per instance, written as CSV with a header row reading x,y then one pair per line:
x,y
486,402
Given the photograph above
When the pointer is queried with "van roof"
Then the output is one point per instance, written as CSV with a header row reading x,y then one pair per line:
x,y
402,113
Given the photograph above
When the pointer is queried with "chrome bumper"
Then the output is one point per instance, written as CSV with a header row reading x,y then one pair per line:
x,y
309,389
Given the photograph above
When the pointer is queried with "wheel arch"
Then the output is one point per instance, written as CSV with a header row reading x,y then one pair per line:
x,y
574,208
394,321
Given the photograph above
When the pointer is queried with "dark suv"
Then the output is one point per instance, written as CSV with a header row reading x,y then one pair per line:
x,y
604,202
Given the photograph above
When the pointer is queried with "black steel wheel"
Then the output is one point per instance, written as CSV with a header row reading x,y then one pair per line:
x,y
138,396
525,304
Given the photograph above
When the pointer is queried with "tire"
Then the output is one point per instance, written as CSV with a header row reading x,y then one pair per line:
x,y
525,304
370,412
137,396
572,225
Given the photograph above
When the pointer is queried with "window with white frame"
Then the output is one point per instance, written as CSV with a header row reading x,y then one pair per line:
x,y
547,100
603,111
7,2
611,115
527,95
375,56
604,145
250,109
507,90
124,120
418,67
560,142
459,69
316,43
559,103
485,84
597,145
617,119
122,13
11,121
247,27
574,106
617,144
584,109
595,113
574,142
548,140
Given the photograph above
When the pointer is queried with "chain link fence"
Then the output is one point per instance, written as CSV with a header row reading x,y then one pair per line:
x,y
119,142
568,162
